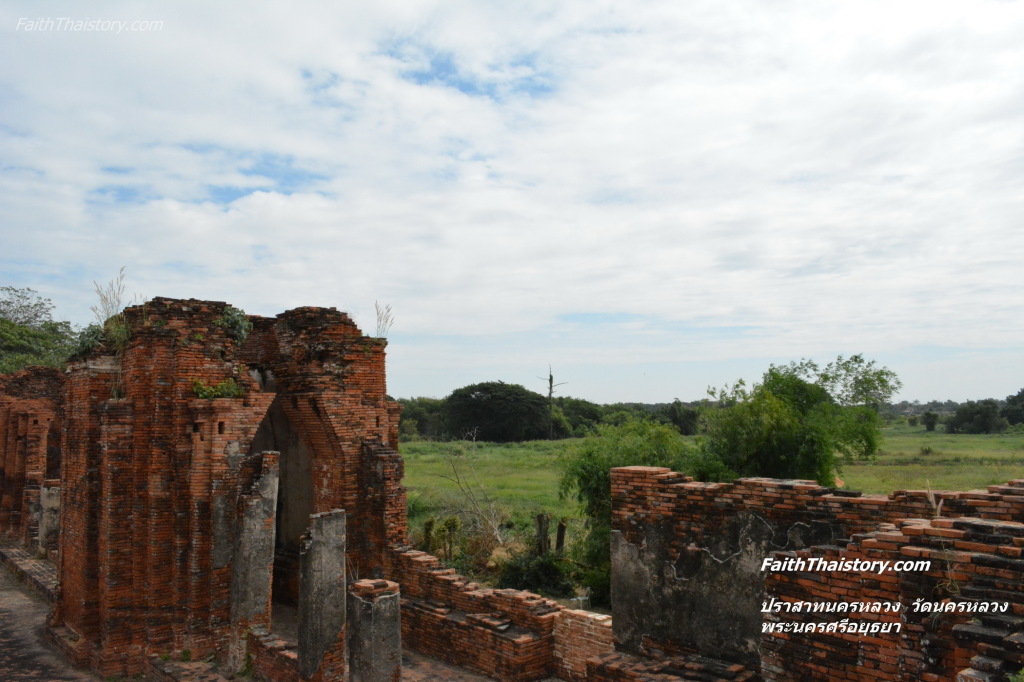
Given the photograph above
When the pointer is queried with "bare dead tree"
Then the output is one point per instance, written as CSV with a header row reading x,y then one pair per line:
x,y
478,505
551,401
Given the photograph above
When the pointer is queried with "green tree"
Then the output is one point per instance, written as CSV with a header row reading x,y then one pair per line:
x,y
1013,411
684,418
800,420
583,415
980,416
496,411
586,476
427,414
930,420
29,335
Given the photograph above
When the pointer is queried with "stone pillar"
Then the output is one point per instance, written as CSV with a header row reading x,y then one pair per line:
x,y
322,596
375,631
49,516
253,565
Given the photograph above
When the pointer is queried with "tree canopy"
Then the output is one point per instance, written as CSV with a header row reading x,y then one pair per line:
x,y
499,412
980,416
1013,412
586,477
28,334
800,417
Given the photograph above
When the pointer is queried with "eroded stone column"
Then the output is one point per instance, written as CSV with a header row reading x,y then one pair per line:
x,y
322,594
253,564
375,631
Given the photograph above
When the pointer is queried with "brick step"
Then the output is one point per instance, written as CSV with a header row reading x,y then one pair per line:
x,y
489,643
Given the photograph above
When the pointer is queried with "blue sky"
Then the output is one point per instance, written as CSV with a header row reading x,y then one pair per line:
x,y
650,197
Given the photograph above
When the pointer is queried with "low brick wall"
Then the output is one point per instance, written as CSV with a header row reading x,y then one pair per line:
x,y
488,644
506,634
580,635
272,658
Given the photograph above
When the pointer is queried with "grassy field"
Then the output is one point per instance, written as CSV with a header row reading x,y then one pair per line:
x,y
522,478
913,458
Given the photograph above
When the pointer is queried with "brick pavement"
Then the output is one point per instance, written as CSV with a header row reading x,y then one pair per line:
x,y
24,652
39,574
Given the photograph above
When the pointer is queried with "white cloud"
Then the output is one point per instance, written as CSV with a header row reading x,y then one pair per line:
x,y
831,178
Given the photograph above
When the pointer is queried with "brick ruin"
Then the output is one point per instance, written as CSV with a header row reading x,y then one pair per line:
x,y
267,529
688,583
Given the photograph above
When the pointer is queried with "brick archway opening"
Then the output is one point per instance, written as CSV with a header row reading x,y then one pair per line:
x,y
294,507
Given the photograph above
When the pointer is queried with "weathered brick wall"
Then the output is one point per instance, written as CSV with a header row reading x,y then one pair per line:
x,y
506,634
153,475
687,573
30,423
580,635
622,667
974,563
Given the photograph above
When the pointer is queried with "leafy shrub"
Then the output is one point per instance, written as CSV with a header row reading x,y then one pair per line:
x,y
977,417
599,580
236,323
229,388
547,574
586,476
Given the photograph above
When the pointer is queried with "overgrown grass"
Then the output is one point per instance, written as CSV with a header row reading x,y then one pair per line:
x,y
913,458
522,478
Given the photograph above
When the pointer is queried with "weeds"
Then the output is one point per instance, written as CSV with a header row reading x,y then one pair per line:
x,y
476,502
229,388
236,323
385,319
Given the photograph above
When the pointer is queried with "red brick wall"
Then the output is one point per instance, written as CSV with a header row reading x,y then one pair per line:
x,y
580,635
973,561
30,413
148,474
976,552
506,634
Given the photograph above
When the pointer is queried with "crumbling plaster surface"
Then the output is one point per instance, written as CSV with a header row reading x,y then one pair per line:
x,y
706,599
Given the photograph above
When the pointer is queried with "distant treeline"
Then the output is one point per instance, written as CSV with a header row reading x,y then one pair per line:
x,y
499,412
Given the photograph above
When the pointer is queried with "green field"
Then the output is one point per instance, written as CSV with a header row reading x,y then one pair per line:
x,y
521,479
914,459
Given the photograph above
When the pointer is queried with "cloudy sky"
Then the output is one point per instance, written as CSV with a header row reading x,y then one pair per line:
x,y
651,197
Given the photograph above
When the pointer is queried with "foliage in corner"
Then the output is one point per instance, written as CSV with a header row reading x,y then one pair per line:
x,y
236,323
28,333
229,388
